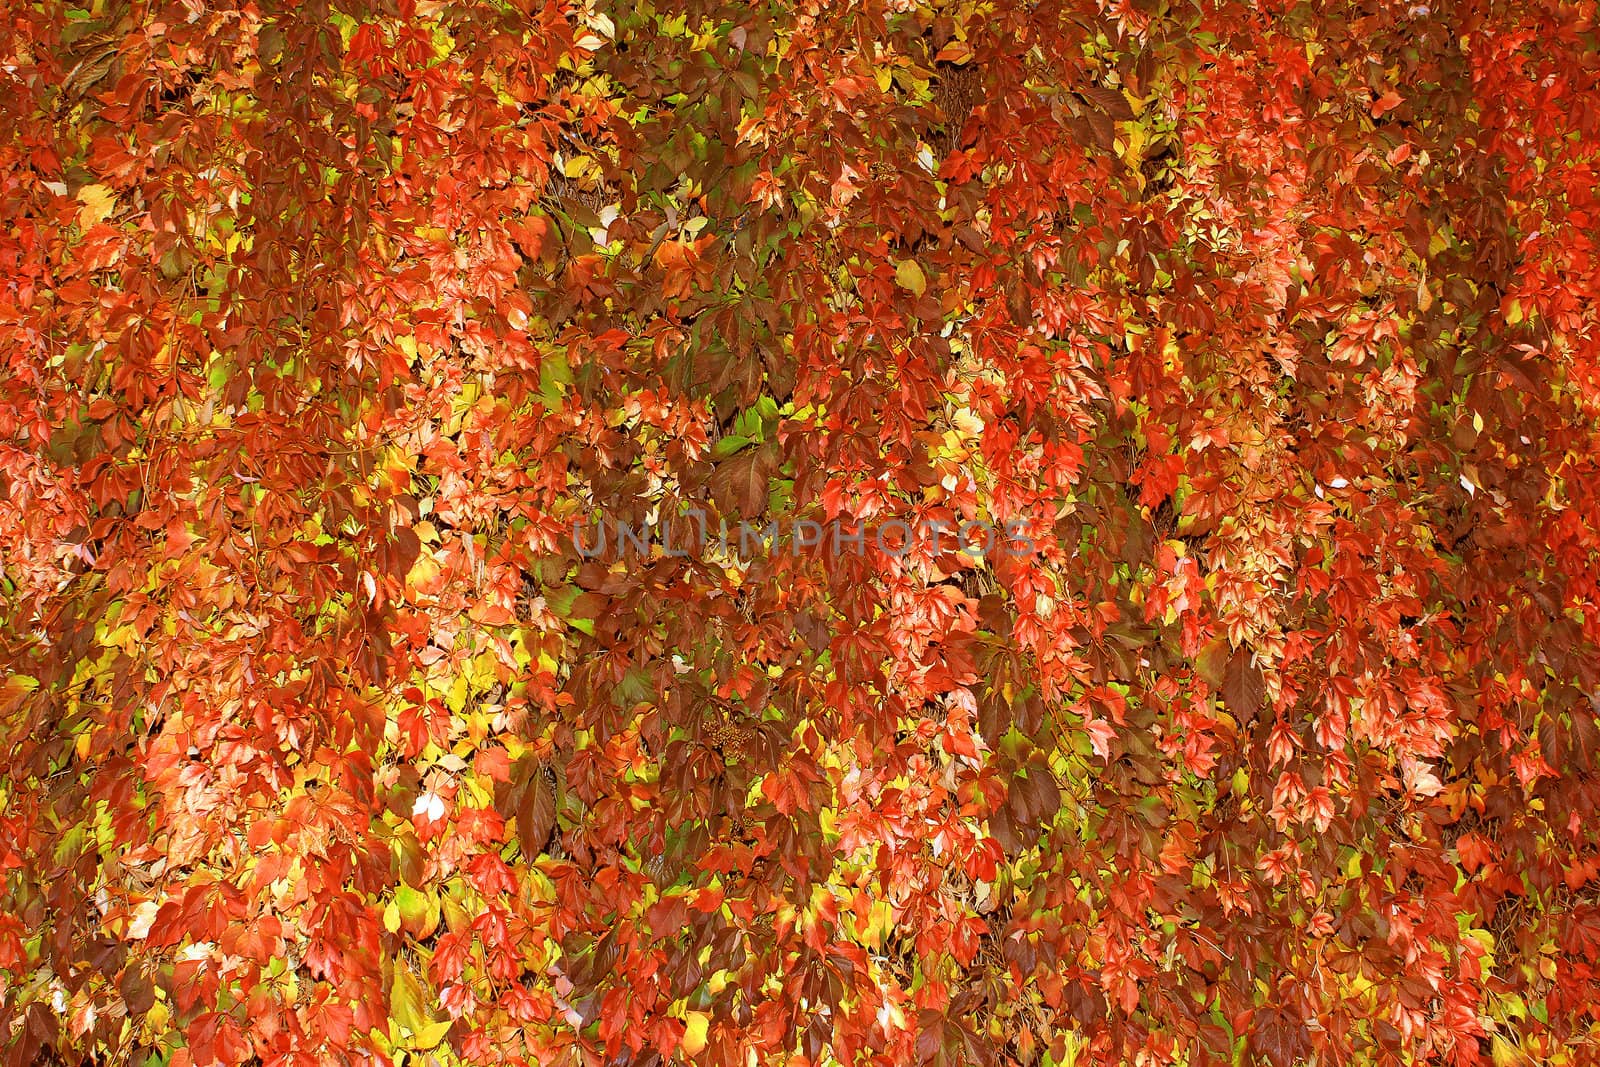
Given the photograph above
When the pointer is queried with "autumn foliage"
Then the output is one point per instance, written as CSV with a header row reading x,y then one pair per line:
x,y
325,326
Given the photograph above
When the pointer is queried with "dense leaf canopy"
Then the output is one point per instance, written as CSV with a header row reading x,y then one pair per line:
x,y
332,334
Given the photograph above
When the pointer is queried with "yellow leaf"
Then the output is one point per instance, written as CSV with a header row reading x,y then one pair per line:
x,y
430,1035
696,1025
874,927
422,572
98,204
1352,866
1134,142
1504,1053
910,276
408,1002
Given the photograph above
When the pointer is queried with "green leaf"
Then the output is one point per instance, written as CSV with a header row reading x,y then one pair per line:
x,y
727,446
555,374
418,911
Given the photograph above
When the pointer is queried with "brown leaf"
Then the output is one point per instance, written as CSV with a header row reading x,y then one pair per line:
x,y
1585,737
406,548
1107,101
1028,713
536,811
605,954
994,717
930,1034
739,484
1004,831
1102,130
1243,687
1041,794
137,991
1211,663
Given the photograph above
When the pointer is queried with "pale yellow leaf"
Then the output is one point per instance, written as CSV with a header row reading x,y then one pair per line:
x,y
98,204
